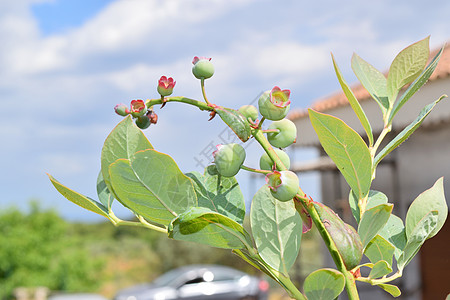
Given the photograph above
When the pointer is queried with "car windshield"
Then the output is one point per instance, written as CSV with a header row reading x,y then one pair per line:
x,y
169,277
218,274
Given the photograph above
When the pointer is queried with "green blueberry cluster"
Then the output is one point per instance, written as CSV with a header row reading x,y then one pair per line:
x,y
274,105
138,110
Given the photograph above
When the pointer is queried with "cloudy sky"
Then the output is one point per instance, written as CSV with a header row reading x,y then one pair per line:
x,y
64,65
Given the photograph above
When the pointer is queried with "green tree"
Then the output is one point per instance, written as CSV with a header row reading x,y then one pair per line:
x,y
38,249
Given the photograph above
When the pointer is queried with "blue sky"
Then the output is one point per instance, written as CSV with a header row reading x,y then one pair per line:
x,y
65,64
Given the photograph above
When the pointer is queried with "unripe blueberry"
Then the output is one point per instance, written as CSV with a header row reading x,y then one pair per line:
x,y
249,111
229,159
285,137
265,163
274,105
122,110
143,122
283,184
138,108
203,68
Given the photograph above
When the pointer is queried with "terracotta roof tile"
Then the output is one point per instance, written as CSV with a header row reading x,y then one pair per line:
x,y
339,99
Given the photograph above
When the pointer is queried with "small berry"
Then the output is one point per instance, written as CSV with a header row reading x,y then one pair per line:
x,y
203,68
229,159
274,105
249,111
143,122
265,163
283,184
285,137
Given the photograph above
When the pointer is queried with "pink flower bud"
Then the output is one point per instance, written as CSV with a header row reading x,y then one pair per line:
x,y
122,110
165,86
138,108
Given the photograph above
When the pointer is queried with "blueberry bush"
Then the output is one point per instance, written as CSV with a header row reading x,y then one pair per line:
x,y
209,208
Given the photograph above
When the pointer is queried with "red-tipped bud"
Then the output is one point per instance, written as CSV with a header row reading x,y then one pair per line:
x,y
122,110
138,108
165,86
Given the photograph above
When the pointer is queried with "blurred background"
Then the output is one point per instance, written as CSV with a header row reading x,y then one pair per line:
x,y
65,64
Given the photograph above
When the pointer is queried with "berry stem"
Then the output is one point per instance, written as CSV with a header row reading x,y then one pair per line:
x,y
202,83
201,105
254,170
381,280
262,140
142,223
260,122
271,130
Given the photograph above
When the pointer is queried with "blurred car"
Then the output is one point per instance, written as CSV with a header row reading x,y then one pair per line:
x,y
200,282
77,296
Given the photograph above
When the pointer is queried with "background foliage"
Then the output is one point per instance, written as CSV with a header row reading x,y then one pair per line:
x,y
39,248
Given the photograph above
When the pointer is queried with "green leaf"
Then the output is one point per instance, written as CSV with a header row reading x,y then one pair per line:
x,y
405,133
431,199
379,249
123,142
421,232
354,102
218,193
324,284
394,233
344,236
380,269
236,121
373,81
152,185
79,199
201,225
277,230
372,221
416,85
391,289
256,261
407,65
375,198
104,195
346,148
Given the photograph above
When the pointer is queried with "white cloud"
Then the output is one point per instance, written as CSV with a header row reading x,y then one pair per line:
x,y
65,164
290,59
